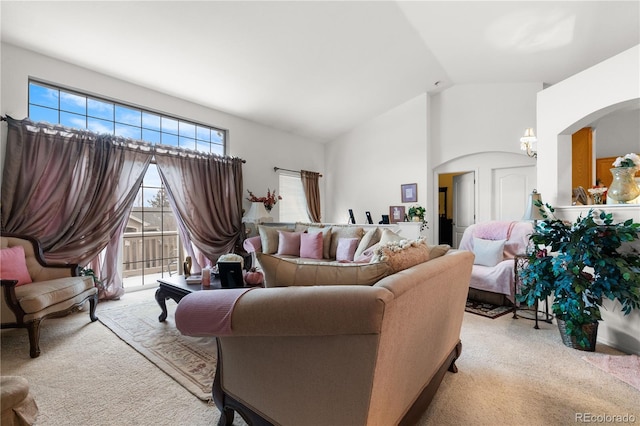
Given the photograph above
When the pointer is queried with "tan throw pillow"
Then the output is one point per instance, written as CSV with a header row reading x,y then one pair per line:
x,y
338,232
283,273
326,239
371,237
269,237
402,255
438,250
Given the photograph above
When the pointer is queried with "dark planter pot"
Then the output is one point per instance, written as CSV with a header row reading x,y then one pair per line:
x,y
590,329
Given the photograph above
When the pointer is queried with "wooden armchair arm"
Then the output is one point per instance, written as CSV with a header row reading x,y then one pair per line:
x,y
9,293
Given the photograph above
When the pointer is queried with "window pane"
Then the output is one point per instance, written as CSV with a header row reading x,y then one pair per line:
x,y
168,139
203,146
150,121
203,133
100,126
217,137
187,130
169,125
73,103
100,109
43,96
128,131
187,143
48,115
150,136
293,206
128,116
152,177
73,120
217,149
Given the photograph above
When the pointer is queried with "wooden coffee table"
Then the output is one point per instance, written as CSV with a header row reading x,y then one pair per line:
x,y
176,288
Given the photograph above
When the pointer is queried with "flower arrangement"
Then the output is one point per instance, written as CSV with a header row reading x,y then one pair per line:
x,y
417,211
269,201
629,160
579,264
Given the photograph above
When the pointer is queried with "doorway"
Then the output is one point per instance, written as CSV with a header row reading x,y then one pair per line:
x,y
456,205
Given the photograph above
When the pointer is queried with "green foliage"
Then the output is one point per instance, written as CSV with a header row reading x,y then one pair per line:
x,y
101,284
579,264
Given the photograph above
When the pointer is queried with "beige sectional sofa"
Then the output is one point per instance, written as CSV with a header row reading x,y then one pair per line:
x,y
359,353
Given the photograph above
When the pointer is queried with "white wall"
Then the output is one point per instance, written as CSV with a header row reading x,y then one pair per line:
x,y
263,147
369,163
477,127
473,118
575,103
618,134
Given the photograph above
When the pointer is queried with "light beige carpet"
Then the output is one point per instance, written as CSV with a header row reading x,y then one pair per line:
x,y
624,367
191,361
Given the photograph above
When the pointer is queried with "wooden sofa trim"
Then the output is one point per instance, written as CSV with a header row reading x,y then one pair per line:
x,y
229,405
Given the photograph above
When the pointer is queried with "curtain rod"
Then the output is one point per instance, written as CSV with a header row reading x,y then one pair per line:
x,y
275,169
4,118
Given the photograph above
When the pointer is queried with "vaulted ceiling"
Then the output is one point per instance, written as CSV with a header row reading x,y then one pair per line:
x,y
320,68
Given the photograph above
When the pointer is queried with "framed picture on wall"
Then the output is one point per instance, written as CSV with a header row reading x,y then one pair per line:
x,y
409,192
396,214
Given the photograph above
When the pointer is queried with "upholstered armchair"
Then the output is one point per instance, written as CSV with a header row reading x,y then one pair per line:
x,y
495,245
33,290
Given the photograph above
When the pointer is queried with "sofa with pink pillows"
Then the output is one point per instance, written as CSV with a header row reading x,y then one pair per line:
x,y
319,241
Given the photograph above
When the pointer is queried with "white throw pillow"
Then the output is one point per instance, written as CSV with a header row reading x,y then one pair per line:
x,y
488,252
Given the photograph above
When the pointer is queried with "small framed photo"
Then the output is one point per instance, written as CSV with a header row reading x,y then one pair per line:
x,y
409,192
396,214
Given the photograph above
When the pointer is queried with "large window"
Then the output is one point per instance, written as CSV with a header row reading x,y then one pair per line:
x,y
151,246
293,206
60,106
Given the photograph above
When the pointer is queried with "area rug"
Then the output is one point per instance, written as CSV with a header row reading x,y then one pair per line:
x,y
191,361
486,309
623,367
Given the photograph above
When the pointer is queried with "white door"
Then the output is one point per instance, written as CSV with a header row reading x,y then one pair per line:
x,y
464,202
511,189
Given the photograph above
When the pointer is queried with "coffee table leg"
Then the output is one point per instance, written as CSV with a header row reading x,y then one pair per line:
x,y
161,298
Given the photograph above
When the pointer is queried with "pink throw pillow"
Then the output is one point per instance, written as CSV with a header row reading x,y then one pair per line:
x,y
347,248
13,265
311,245
289,243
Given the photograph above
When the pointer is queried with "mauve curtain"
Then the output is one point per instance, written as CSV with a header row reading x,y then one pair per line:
x,y
312,193
72,189
205,193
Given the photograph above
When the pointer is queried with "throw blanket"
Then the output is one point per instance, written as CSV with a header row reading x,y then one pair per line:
x,y
495,230
208,312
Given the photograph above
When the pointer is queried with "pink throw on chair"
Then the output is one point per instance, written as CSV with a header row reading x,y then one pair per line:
x,y
494,230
